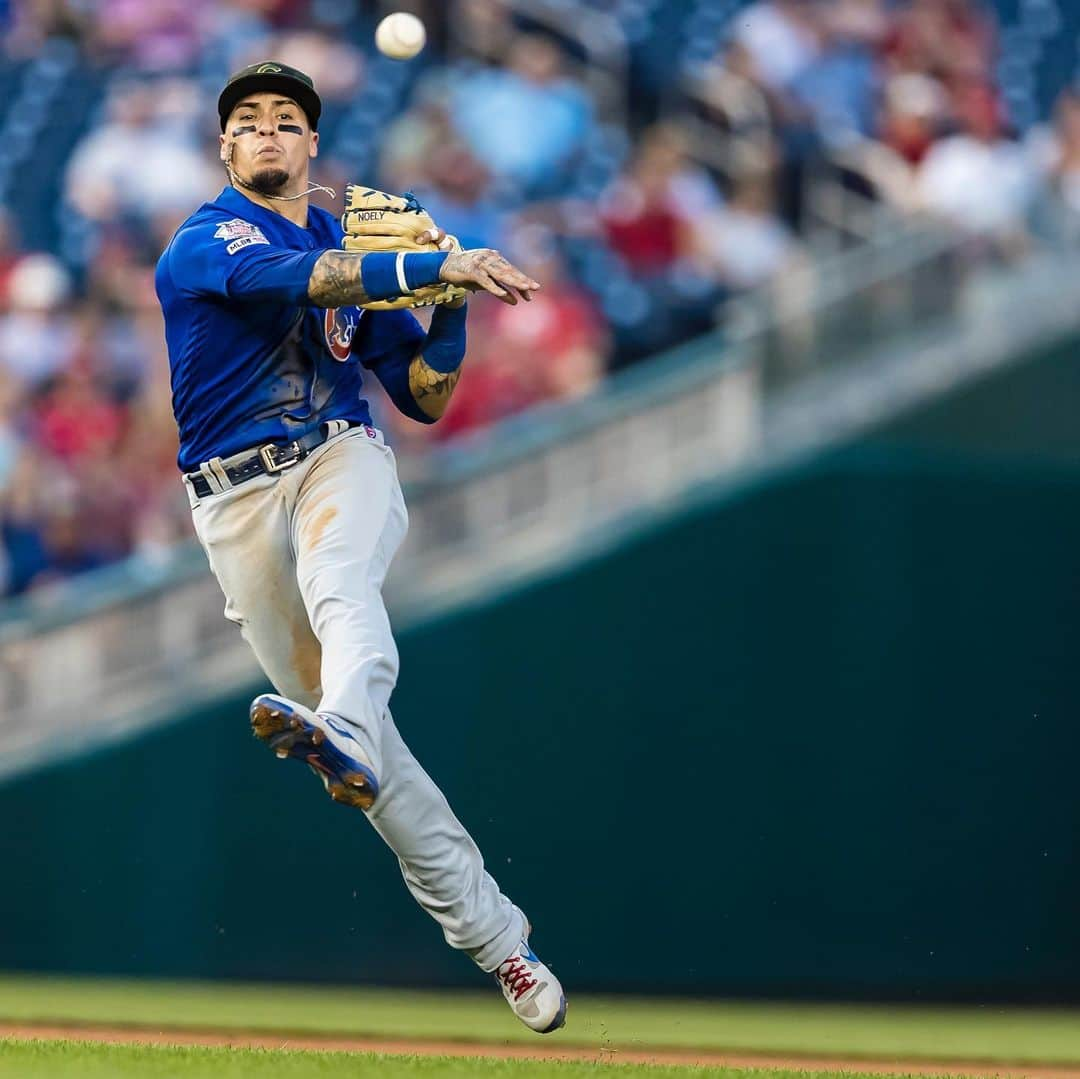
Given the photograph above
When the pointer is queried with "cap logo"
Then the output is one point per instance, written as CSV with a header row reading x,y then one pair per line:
x,y
264,69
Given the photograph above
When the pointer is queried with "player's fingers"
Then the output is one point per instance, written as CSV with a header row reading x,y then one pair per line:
x,y
432,236
515,290
482,279
508,296
513,280
509,275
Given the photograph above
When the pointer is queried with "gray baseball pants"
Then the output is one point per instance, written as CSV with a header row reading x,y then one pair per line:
x,y
301,557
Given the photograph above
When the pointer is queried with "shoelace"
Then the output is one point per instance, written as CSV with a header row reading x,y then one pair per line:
x,y
516,976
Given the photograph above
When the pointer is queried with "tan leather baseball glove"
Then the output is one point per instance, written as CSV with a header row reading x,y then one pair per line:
x,y
377,221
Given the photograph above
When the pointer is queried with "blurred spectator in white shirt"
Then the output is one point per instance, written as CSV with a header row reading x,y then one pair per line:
x,y
979,179
140,163
744,244
36,335
780,38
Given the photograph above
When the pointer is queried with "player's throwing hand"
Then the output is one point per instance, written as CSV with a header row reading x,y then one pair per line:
x,y
483,268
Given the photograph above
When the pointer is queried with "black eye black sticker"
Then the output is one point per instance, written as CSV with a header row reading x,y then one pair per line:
x,y
238,131
293,129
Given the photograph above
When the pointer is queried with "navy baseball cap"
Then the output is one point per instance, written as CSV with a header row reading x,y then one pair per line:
x,y
269,76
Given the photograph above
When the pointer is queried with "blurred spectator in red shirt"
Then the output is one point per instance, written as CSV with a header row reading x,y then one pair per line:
x,y
74,417
647,214
953,40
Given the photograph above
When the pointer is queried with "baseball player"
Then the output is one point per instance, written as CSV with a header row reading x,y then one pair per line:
x,y
295,495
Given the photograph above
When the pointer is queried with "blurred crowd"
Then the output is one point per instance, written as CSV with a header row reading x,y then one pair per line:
x,y
644,204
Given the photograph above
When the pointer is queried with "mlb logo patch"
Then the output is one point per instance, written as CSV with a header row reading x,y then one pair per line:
x,y
239,234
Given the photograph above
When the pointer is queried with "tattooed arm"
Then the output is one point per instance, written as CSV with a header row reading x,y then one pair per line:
x,y
431,389
418,371
434,373
335,280
422,385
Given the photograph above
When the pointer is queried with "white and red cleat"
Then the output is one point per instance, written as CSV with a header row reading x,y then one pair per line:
x,y
531,990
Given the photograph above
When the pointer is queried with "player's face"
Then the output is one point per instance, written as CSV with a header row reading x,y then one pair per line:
x,y
270,141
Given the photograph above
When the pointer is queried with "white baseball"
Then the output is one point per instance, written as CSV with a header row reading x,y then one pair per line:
x,y
400,36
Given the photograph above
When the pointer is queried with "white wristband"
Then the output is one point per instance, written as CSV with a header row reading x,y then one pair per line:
x,y
399,265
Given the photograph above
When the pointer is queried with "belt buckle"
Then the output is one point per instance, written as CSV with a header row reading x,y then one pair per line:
x,y
269,464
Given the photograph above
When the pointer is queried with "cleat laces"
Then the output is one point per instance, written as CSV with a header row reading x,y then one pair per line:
x,y
516,976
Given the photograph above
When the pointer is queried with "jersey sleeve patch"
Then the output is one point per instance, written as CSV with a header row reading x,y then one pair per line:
x,y
239,234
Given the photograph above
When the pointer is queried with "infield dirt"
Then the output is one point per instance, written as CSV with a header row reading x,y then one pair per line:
x,y
117,1035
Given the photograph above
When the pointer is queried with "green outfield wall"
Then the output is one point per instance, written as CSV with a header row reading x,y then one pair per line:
x,y
820,737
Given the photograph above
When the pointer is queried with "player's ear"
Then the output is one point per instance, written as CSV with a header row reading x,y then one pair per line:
x,y
313,146
222,151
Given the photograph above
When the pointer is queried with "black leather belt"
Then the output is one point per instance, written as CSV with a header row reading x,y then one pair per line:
x,y
263,461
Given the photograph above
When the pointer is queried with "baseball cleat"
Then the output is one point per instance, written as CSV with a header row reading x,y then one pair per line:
x,y
323,742
531,990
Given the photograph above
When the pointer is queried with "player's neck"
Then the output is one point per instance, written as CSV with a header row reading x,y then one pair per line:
x,y
296,210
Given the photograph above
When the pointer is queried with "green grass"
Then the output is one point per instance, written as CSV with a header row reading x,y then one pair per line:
x,y
50,1060
990,1033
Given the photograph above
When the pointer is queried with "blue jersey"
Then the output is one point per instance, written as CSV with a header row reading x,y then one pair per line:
x,y
252,361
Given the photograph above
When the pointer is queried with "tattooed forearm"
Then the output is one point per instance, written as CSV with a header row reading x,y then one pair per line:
x,y
335,280
431,389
